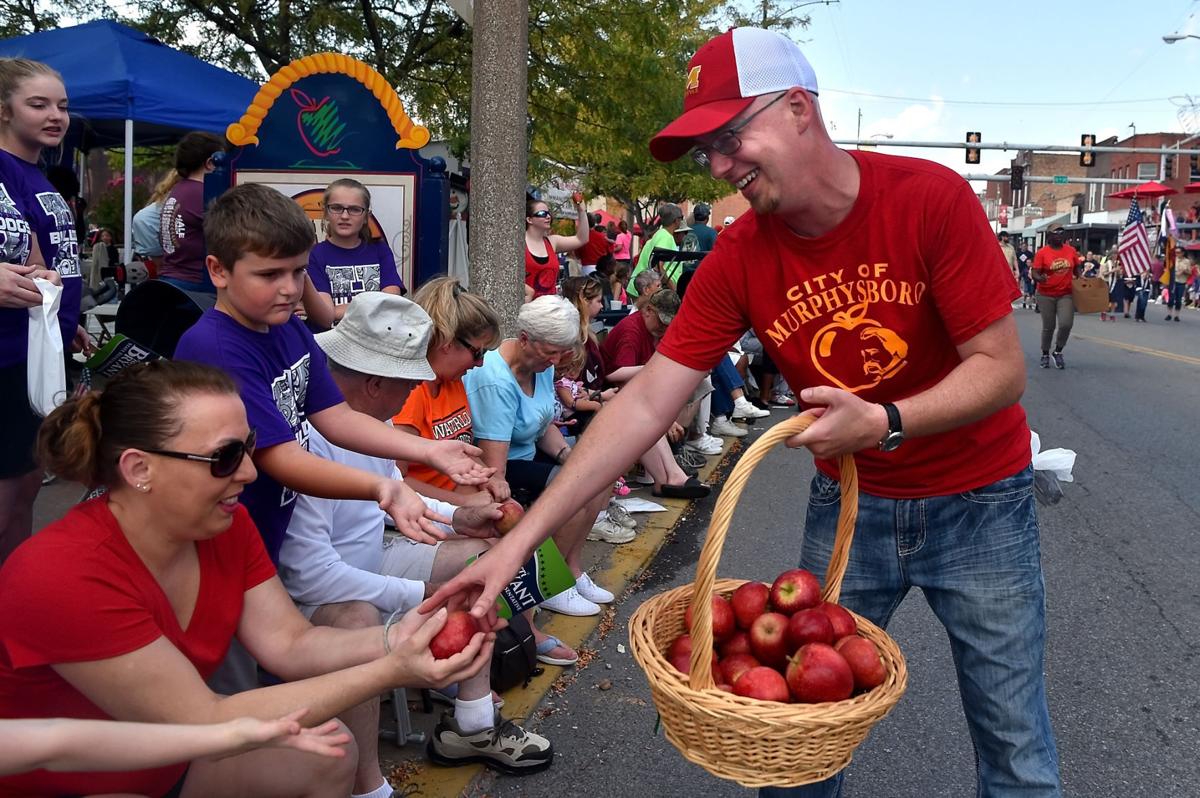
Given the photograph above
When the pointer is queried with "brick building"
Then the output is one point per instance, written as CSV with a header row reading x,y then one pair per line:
x,y
1141,166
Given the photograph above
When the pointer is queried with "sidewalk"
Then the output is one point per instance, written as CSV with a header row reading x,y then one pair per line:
x,y
617,568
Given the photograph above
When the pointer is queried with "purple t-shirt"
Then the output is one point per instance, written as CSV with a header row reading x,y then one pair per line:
x,y
15,238
52,221
181,232
283,379
345,273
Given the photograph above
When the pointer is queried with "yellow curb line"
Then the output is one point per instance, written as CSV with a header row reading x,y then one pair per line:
x,y
1145,350
626,563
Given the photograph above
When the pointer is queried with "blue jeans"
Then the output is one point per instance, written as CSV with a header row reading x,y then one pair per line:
x,y
976,557
725,379
1175,294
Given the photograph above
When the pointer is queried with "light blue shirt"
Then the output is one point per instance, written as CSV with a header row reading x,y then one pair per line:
x,y
501,411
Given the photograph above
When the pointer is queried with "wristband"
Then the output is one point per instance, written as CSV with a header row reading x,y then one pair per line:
x,y
387,627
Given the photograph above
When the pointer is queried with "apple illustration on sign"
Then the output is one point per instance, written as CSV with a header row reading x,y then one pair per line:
x,y
320,124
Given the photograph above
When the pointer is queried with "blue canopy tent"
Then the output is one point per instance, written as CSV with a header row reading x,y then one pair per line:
x,y
125,86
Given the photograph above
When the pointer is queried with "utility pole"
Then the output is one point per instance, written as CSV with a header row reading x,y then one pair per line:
x,y
499,64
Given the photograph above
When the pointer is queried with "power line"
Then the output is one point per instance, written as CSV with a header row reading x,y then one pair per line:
x,y
992,102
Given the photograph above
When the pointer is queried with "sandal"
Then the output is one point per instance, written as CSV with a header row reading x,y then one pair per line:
x,y
550,643
692,489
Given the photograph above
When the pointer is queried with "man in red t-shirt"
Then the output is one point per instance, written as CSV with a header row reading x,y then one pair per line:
x,y
1054,266
597,245
875,283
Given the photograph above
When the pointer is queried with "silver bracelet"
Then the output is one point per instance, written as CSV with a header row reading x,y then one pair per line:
x,y
387,627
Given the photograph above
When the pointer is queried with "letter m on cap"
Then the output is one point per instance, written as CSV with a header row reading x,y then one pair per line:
x,y
693,80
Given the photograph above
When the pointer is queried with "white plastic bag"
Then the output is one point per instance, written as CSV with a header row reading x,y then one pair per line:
x,y
1050,469
46,369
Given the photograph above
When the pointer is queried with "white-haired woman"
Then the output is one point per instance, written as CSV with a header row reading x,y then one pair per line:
x,y
512,404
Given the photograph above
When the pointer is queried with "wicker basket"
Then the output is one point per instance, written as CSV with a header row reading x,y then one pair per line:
x,y
757,743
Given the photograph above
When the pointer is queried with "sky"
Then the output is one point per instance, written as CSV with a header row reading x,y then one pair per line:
x,y
1021,72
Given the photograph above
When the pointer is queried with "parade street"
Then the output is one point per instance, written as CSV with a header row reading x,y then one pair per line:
x,y
1119,553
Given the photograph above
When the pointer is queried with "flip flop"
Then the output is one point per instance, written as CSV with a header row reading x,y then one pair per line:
x,y
549,644
692,489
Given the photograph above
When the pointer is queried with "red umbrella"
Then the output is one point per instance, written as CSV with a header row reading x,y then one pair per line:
x,y
1151,188
1192,188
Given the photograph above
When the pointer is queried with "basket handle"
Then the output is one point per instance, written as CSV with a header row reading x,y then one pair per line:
x,y
718,527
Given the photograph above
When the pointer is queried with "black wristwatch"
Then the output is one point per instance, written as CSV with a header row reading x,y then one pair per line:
x,y
895,433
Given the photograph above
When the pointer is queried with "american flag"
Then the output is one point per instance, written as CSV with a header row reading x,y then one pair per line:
x,y
1133,246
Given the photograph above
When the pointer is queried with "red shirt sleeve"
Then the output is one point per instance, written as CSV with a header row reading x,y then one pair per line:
x,y
245,537
971,283
713,316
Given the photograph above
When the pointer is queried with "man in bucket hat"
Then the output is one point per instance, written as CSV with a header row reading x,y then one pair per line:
x,y
876,281
340,570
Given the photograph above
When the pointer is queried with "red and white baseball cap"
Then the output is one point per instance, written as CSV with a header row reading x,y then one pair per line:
x,y
724,77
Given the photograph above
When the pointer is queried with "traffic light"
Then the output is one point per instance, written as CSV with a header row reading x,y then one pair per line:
x,y
1087,158
1017,178
973,137
1168,167
1193,170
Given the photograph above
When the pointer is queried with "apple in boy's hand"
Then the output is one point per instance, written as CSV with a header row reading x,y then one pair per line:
x,y
511,512
577,197
454,636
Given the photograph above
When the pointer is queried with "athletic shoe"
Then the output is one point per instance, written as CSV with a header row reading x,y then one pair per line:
x,y
570,602
640,476
592,591
505,746
619,515
691,471
782,400
744,411
706,445
759,403
1058,361
609,531
1045,363
723,426
690,458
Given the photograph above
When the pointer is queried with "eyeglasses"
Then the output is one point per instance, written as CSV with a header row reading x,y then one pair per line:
x,y
337,210
727,142
476,353
223,462
540,214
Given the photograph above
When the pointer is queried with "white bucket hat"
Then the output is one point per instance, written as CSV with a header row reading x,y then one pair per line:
x,y
384,335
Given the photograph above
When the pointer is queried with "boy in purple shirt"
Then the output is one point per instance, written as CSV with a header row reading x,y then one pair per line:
x,y
258,243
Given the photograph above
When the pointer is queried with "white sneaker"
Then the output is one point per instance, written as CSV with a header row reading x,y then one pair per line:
x,y
706,445
591,591
609,531
723,426
641,477
744,411
570,602
619,515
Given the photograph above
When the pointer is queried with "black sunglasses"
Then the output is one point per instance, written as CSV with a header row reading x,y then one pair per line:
x,y
223,462
476,352
540,214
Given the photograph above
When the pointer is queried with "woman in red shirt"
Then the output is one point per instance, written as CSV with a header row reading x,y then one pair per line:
x,y
1054,266
541,265
123,608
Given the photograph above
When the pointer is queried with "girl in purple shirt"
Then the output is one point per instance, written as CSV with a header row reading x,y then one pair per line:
x,y
36,229
181,225
349,261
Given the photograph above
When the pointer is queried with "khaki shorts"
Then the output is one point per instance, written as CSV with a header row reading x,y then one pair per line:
x,y
402,558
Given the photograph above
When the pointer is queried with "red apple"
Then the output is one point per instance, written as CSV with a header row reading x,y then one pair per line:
x,y
809,626
818,673
738,643
749,601
795,590
762,683
863,658
843,622
735,665
682,662
454,636
768,639
511,512
681,645
722,619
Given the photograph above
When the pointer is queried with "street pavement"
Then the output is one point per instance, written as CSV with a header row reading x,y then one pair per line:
x,y
1119,552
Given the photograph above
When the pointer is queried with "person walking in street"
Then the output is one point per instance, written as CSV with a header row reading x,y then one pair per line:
x,y
919,376
1010,255
1054,266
